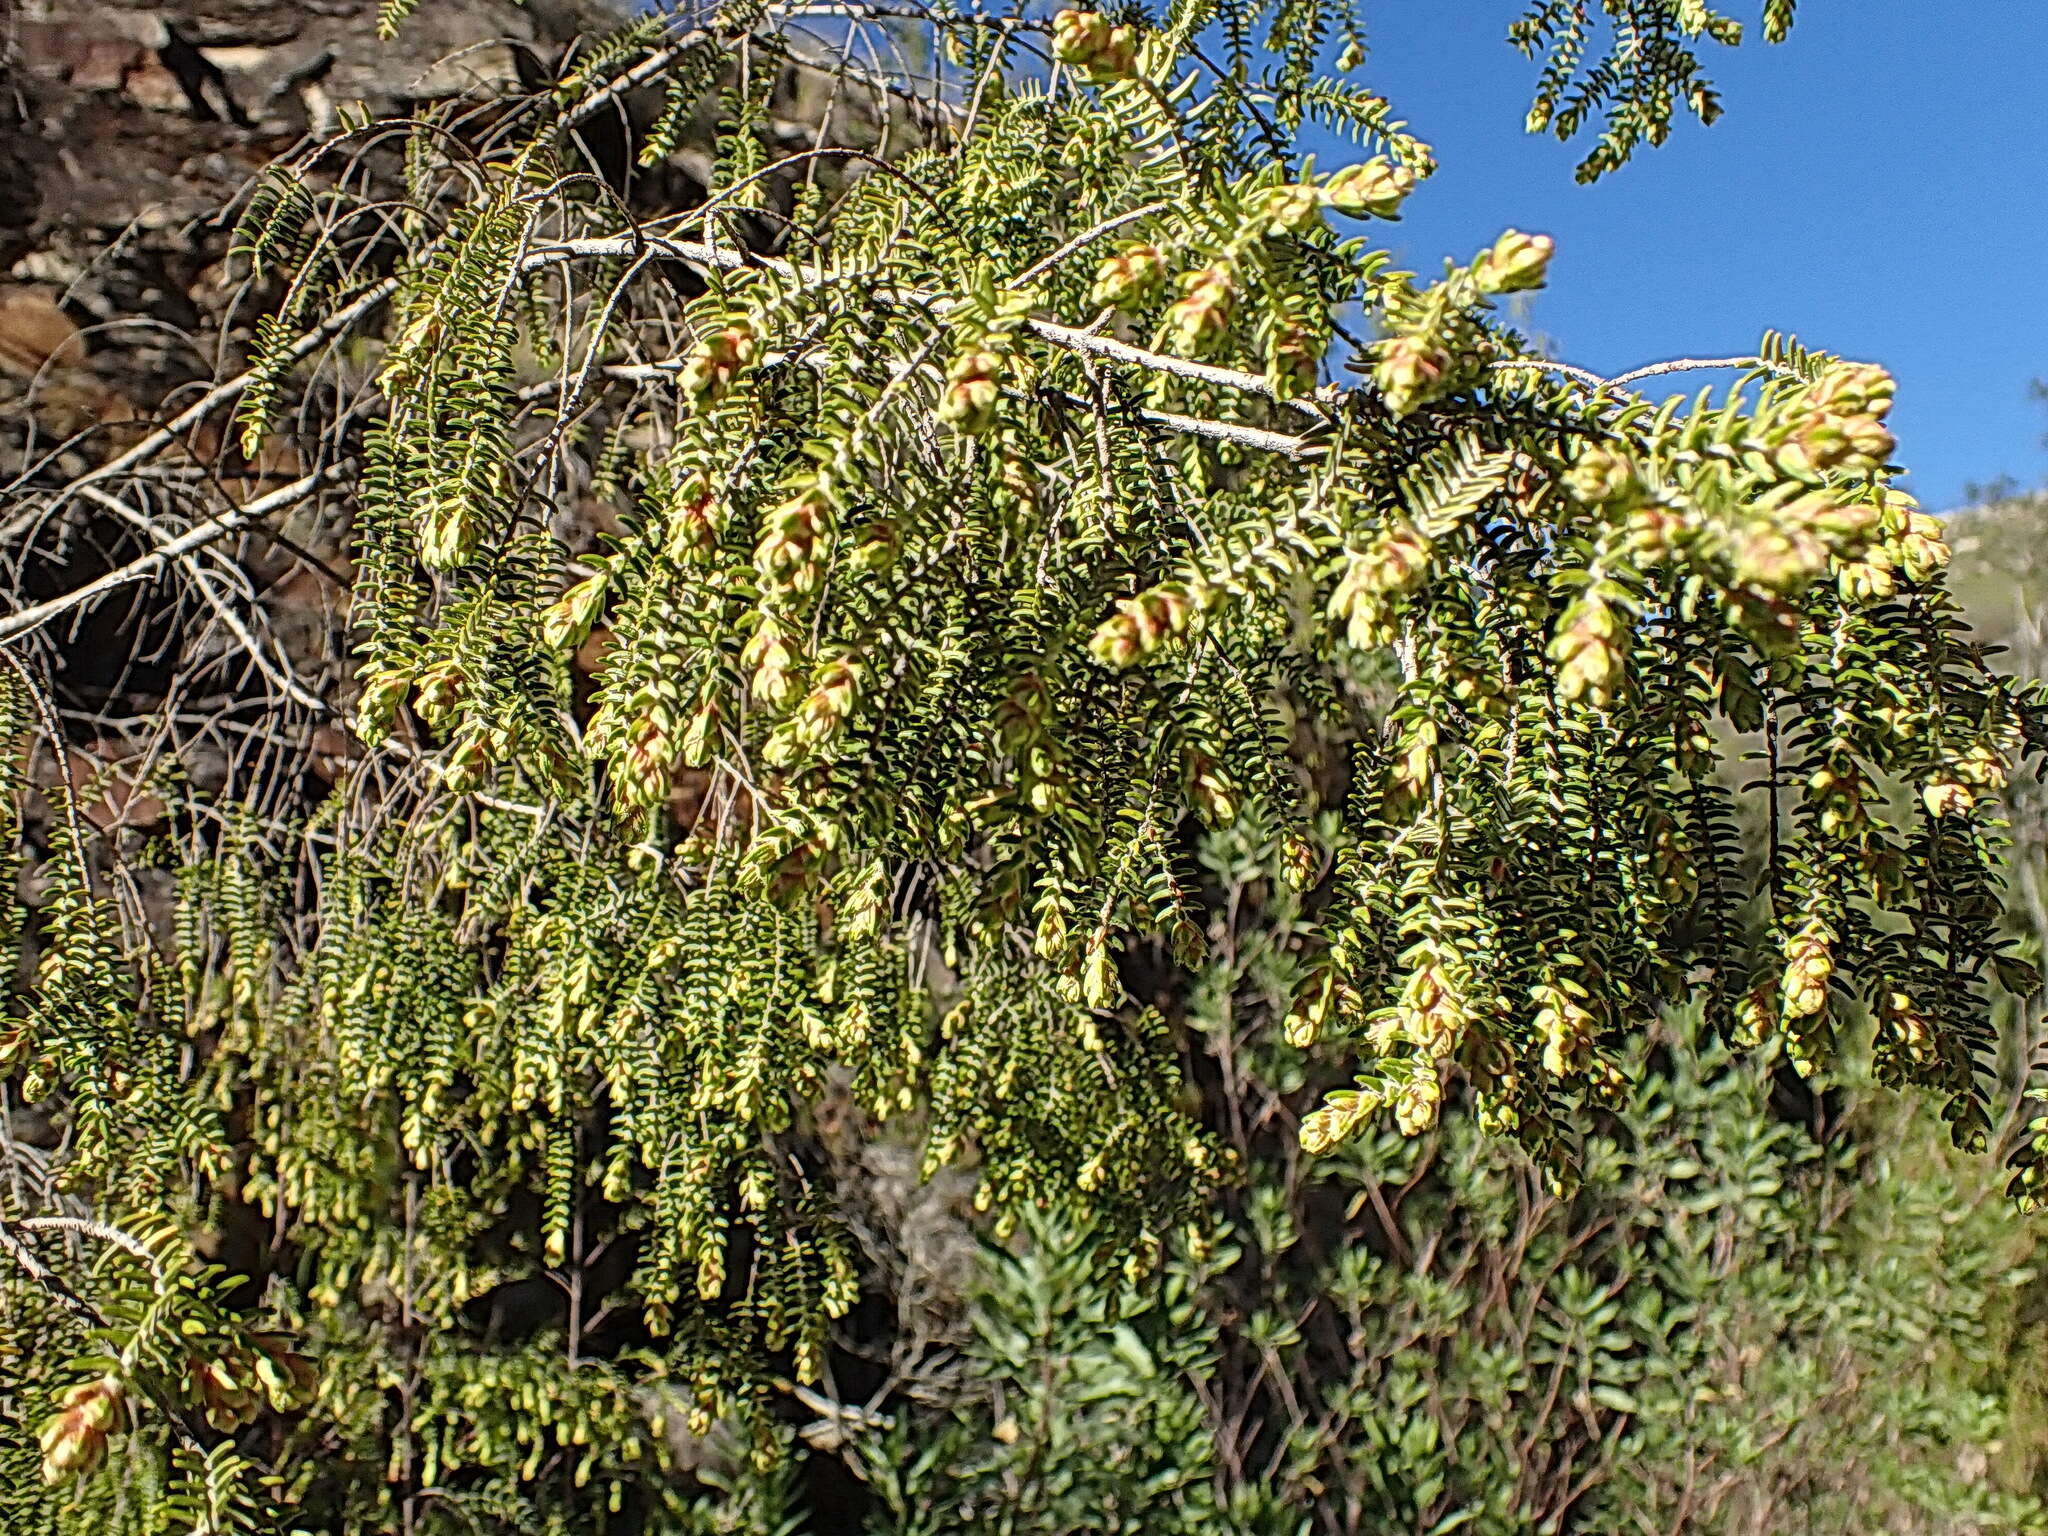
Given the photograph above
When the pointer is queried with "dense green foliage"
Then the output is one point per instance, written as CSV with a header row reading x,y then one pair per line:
x,y
982,524
1730,1326
1731,1331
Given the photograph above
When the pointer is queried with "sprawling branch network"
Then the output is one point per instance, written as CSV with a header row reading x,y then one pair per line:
x,y
815,546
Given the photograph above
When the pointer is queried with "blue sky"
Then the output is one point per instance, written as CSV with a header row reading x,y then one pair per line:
x,y
1878,187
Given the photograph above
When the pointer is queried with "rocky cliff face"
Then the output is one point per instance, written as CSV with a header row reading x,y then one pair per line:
x,y
129,135
127,130
125,113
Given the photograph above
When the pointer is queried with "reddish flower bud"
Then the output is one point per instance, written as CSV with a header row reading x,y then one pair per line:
x,y
1376,187
1601,474
75,1438
1128,276
1515,262
1203,310
710,367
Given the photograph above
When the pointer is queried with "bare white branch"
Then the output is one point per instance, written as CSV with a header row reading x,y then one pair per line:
x,y
147,567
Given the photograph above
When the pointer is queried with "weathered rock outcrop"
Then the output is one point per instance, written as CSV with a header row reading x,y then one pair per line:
x,y
127,131
129,134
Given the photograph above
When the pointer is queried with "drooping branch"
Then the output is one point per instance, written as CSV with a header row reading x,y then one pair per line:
x,y
99,1231
46,1279
148,566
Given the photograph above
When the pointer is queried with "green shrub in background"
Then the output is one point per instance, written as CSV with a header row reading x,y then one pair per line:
x,y
1732,1324
1729,1328
1763,1309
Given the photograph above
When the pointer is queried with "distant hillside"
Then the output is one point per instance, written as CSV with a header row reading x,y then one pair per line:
x,y
2000,567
